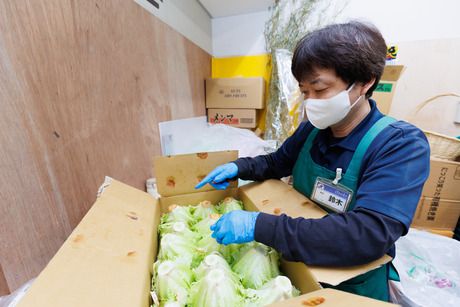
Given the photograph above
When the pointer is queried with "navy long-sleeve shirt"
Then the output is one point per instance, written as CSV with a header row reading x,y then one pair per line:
x,y
393,172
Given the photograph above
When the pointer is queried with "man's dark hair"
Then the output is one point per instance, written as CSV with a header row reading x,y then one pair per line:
x,y
355,50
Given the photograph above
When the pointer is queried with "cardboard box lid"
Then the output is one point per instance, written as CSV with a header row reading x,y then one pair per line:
x,y
107,258
332,298
179,174
392,72
276,197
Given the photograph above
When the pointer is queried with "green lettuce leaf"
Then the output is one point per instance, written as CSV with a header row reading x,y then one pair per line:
x,y
229,204
172,281
218,288
275,290
255,266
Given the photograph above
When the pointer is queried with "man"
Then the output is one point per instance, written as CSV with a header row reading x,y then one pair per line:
x,y
366,169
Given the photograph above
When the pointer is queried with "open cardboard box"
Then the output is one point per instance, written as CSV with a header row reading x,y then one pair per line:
x,y
107,260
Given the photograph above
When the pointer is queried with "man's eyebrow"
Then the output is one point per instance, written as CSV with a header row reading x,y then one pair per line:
x,y
314,81
317,80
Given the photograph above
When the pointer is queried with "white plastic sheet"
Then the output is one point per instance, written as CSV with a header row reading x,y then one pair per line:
x,y
196,135
429,268
13,299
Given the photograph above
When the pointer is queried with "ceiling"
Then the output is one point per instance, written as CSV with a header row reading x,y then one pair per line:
x,y
223,8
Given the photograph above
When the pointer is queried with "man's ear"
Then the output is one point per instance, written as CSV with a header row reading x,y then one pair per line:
x,y
366,87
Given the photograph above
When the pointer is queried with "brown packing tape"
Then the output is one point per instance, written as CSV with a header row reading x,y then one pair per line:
x,y
106,261
179,174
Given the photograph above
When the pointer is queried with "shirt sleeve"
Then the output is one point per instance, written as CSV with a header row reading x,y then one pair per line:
x,y
356,237
393,177
390,185
278,164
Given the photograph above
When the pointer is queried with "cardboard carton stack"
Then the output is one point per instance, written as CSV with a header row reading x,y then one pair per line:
x,y
385,90
439,205
234,101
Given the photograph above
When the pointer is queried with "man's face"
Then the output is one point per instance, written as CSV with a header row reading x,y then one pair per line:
x,y
324,83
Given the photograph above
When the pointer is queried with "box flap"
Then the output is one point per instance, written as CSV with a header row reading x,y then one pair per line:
x,y
336,275
179,174
106,260
332,298
392,72
276,197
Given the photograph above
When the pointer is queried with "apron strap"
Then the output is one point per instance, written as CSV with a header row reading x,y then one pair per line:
x,y
310,138
355,165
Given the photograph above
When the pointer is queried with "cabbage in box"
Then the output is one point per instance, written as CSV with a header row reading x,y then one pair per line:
x,y
107,259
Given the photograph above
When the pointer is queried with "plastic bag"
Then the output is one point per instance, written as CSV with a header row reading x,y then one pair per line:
x,y
13,299
429,268
196,135
286,112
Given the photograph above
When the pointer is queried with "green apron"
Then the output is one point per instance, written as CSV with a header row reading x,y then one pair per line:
x,y
374,283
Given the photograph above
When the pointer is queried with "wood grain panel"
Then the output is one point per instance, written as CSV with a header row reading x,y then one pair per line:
x,y
83,85
4,289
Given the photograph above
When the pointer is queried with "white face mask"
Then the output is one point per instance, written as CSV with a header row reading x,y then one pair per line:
x,y
323,113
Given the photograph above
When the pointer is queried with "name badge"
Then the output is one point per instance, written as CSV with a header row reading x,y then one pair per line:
x,y
334,196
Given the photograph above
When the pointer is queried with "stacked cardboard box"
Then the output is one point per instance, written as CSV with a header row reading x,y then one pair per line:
x,y
385,90
439,206
234,101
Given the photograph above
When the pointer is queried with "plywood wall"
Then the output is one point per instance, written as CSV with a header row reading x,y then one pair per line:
x,y
83,85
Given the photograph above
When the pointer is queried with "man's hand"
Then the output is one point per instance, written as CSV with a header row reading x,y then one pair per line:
x,y
219,177
235,227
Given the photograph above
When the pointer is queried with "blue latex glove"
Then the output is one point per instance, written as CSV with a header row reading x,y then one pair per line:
x,y
235,227
219,177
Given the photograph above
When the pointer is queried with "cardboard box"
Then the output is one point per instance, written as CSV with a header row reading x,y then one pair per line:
x,y
235,93
107,260
385,90
436,213
444,180
439,205
242,118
